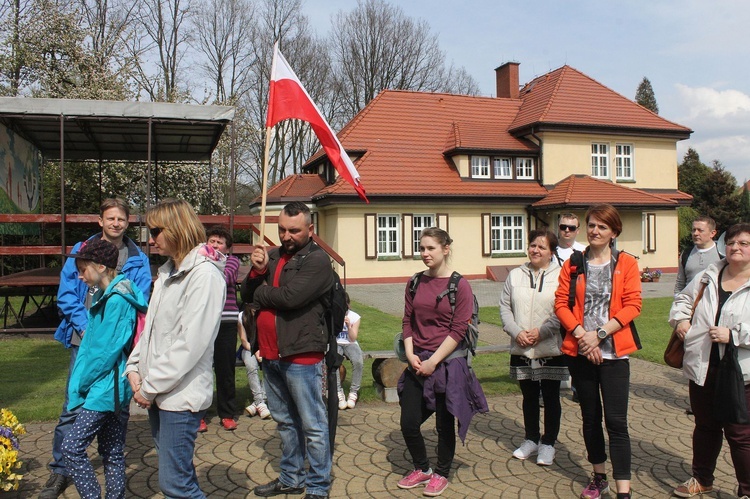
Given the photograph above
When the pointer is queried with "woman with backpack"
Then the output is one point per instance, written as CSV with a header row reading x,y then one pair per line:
x,y
527,308
436,381
599,335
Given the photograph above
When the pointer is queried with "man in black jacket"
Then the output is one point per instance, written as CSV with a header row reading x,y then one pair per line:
x,y
285,286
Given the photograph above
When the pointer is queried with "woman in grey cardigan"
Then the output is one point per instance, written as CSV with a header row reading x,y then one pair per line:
x,y
527,308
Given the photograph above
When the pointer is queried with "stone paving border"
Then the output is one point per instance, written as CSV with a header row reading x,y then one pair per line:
x,y
370,454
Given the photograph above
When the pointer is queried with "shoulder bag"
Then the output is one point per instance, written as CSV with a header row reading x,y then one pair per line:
x,y
730,404
675,351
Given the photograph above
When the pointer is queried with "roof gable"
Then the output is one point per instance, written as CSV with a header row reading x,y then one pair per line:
x,y
566,96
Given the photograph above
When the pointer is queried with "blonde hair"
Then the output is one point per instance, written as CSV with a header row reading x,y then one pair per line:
x,y
108,271
180,226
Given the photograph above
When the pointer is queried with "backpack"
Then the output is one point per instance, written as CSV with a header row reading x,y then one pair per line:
x,y
470,341
686,254
335,314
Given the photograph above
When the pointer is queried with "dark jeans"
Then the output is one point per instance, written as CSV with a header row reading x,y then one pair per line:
x,y
552,409
707,437
414,412
607,384
225,356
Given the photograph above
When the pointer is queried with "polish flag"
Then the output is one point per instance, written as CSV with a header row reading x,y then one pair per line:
x,y
287,98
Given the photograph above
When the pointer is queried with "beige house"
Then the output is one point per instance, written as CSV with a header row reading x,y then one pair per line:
x,y
490,169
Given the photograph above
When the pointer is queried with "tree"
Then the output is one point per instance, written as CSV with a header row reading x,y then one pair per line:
x,y
376,47
745,204
692,175
722,199
645,96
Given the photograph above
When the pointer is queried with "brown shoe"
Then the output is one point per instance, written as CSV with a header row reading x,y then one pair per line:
x,y
692,488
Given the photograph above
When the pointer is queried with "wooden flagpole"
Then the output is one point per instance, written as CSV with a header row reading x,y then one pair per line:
x,y
264,188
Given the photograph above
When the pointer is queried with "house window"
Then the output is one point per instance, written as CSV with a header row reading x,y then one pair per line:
x,y
624,161
600,160
524,168
419,223
388,242
480,166
502,168
506,233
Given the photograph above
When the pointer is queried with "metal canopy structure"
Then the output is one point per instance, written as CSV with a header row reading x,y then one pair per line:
x,y
72,129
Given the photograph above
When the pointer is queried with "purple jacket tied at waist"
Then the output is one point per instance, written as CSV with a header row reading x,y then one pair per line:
x,y
463,394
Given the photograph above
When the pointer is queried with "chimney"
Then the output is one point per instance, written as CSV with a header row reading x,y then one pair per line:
x,y
506,77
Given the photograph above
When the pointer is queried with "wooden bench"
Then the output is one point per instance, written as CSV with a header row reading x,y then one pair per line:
x,y
387,369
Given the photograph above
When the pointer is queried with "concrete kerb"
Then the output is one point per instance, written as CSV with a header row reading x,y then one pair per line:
x,y
370,454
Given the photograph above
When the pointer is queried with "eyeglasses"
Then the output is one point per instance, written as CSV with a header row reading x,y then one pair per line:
x,y
571,228
155,231
741,244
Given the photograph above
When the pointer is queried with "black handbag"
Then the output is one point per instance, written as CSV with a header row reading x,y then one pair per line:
x,y
730,404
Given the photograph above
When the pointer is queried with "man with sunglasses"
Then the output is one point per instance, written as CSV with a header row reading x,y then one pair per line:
x,y
73,302
566,237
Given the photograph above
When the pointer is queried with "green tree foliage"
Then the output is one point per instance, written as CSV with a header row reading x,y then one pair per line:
x,y
745,204
644,96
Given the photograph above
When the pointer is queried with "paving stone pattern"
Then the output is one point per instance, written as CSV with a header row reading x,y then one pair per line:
x,y
371,457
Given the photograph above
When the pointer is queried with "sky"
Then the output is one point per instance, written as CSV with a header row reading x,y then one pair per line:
x,y
696,54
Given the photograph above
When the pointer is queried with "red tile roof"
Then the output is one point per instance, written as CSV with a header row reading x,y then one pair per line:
x,y
406,133
566,96
583,191
294,188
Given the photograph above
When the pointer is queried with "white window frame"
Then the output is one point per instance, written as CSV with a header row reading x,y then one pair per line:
x,y
600,159
480,167
419,223
507,233
525,168
389,240
624,161
502,167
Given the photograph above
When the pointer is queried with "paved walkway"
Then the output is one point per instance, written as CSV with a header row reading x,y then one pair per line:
x,y
371,457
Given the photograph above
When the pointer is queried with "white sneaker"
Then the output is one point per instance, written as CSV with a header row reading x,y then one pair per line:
x,y
263,411
527,449
251,410
352,400
342,401
546,455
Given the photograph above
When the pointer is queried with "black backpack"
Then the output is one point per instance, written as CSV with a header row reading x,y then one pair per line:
x,y
470,341
335,314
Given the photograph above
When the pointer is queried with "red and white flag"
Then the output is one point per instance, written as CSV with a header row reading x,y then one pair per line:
x,y
287,98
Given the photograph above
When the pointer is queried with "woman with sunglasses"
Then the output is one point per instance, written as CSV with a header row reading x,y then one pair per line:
x,y
598,338
720,314
170,367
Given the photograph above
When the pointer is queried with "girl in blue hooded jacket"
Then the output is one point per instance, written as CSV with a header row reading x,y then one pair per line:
x,y
96,382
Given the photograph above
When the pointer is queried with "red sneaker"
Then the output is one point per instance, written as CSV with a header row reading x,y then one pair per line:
x,y
203,427
229,424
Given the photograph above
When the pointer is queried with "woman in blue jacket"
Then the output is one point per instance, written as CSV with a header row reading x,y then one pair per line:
x,y
96,382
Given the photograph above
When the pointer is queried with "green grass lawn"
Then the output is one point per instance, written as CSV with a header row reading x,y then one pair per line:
x,y
33,371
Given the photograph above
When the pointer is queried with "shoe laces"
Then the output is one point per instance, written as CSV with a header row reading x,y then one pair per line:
x,y
596,482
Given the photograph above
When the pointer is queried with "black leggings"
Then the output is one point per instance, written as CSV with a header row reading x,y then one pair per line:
x,y
414,412
612,379
552,409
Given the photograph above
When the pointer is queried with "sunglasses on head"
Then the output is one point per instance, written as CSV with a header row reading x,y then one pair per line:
x,y
571,228
155,231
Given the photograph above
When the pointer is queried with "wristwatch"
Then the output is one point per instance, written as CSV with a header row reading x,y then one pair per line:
x,y
601,333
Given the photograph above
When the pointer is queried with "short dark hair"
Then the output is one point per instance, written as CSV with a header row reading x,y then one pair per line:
x,y
546,233
220,231
607,214
735,230
114,203
295,208
709,221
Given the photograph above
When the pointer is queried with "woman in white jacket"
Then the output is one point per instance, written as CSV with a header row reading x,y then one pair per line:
x,y
170,367
722,311
527,308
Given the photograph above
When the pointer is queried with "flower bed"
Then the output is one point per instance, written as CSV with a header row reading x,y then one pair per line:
x,y
10,429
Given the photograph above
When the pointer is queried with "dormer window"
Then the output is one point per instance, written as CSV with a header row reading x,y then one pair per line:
x,y
502,168
480,167
525,168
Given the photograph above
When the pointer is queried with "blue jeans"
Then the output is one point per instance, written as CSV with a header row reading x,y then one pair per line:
x,y
295,398
108,430
64,424
174,435
353,352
